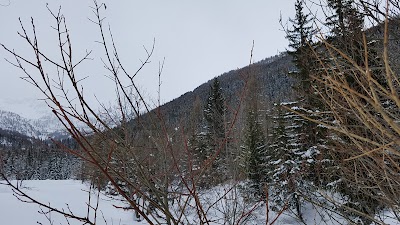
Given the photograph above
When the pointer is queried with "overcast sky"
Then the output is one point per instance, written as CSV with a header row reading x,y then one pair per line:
x,y
199,40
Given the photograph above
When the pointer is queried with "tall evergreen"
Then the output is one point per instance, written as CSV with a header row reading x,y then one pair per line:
x,y
294,140
278,143
196,136
214,114
301,44
344,20
254,144
303,51
300,37
215,136
346,26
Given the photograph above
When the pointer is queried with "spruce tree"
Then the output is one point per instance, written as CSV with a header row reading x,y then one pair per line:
x,y
347,26
300,36
300,41
288,161
214,114
197,137
254,144
215,137
278,142
309,136
303,48
345,19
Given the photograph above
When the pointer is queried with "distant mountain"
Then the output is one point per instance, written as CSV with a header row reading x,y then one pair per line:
x,y
16,123
12,139
42,128
50,127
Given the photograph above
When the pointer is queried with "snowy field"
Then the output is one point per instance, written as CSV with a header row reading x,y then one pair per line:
x,y
73,195
59,194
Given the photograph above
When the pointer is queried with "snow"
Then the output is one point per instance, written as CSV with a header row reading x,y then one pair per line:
x,y
58,193
310,152
5,142
61,193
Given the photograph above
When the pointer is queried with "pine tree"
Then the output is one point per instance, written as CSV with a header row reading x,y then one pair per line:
x,y
277,146
345,19
215,137
346,35
214,114
310,136
285,168
197,140
300,41
254,145
347,26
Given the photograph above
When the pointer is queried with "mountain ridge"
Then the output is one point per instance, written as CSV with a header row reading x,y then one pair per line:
x,y
271,74
43,128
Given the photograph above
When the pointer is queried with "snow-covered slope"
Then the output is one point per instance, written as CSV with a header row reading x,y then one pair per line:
x,y
42,128
49,127
14,122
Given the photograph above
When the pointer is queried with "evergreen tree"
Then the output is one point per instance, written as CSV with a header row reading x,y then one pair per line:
x,y
214,114
310,136
287,163
277,143
346,35
346,26
215,137
345,19
300,42
197,137
254,146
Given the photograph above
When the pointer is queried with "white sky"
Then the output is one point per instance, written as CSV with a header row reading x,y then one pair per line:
x,y
199,40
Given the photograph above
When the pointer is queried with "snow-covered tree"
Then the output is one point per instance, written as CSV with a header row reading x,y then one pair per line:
x,y
289,160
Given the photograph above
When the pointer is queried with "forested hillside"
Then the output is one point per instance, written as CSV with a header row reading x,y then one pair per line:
x,y
272,75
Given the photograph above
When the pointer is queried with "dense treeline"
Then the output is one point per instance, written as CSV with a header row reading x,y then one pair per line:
x,y
27,158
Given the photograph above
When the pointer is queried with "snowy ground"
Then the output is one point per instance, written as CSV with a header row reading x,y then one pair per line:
x,y
59,193
73,195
